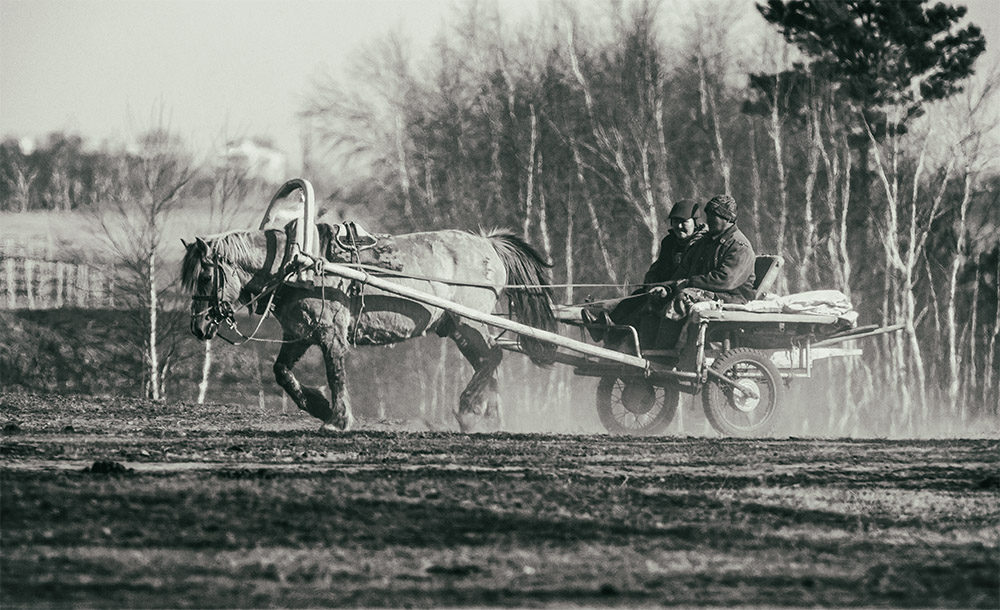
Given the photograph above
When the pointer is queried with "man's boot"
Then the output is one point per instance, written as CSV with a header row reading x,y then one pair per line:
x,y
596,324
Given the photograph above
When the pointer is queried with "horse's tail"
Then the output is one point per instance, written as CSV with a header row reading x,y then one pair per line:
x,y
528,293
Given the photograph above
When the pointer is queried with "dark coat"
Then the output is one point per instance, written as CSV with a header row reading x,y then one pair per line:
x,y
672,250
722,264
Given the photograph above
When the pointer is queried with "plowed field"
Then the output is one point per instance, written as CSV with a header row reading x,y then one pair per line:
x,y
121,503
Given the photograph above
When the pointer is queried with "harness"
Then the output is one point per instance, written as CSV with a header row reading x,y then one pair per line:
x,y
352,238
348,236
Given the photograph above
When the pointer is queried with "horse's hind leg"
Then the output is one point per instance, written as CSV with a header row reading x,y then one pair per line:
x,y
308,399
479,404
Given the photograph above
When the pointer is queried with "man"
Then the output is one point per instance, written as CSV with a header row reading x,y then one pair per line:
x,y
718,268
687,226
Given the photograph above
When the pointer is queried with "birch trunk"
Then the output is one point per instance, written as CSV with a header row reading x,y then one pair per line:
x,y
543,219
845,199
951,323
971,372
775,131
809,239
711,112
154,364
530,169
602,239
661,141
991,353
206,368
569,250
402,167
755,183
650,198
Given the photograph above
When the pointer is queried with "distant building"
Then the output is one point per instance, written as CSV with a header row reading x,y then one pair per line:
x,y
263,161
27,145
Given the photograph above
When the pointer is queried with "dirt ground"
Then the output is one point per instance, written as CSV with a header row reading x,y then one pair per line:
x,y
126,503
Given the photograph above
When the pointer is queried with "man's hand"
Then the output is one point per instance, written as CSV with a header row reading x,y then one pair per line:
x,y
667,290
660,292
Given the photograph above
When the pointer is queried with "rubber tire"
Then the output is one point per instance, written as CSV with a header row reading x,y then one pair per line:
x,y
609,392
717,398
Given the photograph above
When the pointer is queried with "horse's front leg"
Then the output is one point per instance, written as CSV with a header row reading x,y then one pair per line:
x,y
336,376
308,399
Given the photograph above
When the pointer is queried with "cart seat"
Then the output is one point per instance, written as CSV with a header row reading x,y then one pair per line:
x,y
765,271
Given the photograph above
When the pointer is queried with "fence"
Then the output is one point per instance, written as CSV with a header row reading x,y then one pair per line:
x,y
27,283
38,246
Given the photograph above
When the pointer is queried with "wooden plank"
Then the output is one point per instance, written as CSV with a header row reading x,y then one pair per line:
x,y
722,315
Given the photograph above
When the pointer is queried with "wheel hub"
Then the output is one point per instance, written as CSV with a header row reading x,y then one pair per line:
x,y
742,400
638,397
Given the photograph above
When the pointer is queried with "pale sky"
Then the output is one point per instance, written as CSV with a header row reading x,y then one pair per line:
x,y
98,68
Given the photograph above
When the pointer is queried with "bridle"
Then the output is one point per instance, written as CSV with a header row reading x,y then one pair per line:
x,y
217,310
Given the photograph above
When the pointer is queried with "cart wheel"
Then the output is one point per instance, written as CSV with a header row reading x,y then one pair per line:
x,y
635,406
736,414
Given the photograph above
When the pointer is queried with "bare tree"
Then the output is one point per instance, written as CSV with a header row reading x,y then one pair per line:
x,y
367,121
138,198
975,117
232,186
20,178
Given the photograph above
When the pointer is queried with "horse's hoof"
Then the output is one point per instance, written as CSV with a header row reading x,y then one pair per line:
x,y
473,423
338,424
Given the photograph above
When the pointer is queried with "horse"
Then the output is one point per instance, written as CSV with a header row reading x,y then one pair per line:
x,y
240,269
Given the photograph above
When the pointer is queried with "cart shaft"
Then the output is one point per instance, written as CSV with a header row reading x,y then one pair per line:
x,y
474,314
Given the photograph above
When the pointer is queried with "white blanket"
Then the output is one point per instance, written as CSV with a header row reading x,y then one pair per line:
x,y
823,302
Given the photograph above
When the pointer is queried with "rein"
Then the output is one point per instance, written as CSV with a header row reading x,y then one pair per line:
x,y
383,272
220,311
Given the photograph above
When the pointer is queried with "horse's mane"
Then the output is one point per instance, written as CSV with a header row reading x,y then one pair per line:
x,y
235,248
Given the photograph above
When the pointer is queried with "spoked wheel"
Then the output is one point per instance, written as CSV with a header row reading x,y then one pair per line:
x,y
735,413
635,406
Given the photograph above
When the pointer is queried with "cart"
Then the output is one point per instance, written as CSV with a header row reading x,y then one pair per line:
x,y
738,360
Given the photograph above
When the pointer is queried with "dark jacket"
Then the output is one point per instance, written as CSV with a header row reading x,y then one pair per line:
x,y
722,264
672,250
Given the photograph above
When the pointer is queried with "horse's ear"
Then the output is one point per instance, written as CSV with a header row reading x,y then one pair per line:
x,y
186,246
202,245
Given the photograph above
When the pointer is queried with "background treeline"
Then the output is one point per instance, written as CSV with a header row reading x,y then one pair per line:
x,y
850,133
64,173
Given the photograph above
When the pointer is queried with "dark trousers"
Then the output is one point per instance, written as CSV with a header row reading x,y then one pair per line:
x,y
627,310
641,311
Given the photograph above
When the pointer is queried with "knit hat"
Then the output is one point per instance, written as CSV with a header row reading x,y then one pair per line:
x,y
686,208
722,206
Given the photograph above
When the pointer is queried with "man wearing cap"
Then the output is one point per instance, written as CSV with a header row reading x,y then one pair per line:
x,y
687,227
718,268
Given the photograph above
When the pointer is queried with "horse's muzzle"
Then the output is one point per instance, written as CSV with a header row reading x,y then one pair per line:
x,y
203,326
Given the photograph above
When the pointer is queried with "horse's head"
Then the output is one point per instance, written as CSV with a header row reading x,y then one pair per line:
x,y
212,278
